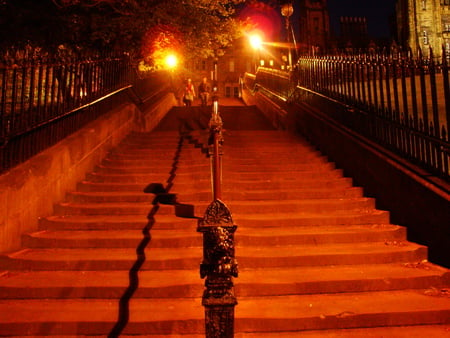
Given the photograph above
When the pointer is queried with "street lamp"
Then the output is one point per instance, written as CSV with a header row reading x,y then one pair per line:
x,y
171,61
287,9
256,43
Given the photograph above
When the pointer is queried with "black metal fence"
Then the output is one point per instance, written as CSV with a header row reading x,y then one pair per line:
x,y
46,97
399,100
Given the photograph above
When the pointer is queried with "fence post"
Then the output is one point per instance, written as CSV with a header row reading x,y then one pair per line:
x,y
219,265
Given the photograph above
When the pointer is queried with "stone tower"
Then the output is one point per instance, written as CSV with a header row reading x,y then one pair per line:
x,y
424,24
353,32
314,26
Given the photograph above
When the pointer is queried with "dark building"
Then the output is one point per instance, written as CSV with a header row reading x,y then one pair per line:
x,y
314,34
354,32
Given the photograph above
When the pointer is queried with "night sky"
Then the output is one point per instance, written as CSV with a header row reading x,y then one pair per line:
x,y
377,13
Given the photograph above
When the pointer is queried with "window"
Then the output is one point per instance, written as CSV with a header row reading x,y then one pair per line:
x,y
446,23
424,4
231,66
248,66
425,37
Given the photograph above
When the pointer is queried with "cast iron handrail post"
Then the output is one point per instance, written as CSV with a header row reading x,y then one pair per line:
x,y
219,265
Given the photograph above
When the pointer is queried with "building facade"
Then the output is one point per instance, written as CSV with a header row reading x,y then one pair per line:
x,y
424,24
354,33
314,34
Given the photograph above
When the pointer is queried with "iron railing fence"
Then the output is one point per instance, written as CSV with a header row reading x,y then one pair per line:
x,y
400,101
46,97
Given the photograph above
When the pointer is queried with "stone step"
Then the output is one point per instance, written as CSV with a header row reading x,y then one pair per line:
x,y
188,151
244,157
415,331
252,314
312,206
189,257
411,331
227,167
119,222
206,195
101,222
267,147
291,176
190,186
250,283
390,234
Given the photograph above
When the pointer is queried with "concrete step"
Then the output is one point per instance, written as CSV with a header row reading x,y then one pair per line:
x,y
99,222
412,331
239,158
111,168
252,314
291,176
112,222
189,186
190,237
189,257
312,206
206,195
251,282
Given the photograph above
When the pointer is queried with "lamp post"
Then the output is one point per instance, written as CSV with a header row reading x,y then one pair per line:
x,y
287,9
256,43
219,265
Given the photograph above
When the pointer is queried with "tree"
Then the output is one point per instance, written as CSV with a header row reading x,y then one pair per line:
x,y
196,28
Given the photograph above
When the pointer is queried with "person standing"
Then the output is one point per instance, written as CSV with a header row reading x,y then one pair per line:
x,y
204,92
189,93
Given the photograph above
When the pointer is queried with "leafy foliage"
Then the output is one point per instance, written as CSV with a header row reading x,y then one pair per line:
x,y
195,28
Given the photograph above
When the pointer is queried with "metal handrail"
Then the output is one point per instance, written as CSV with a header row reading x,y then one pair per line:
x,y
219,265
393,100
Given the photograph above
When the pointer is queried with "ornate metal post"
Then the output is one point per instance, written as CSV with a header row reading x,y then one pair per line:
x,y
219,265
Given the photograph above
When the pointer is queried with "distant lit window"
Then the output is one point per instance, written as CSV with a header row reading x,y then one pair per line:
x,y
424,4
261,62
446,27
231,66
248,66
271,63
425,37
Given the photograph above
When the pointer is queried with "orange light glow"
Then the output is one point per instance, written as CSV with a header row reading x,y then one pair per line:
x,y
171,61
255,41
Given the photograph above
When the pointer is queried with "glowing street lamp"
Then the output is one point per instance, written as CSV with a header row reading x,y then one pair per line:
x,y
171,61
256,42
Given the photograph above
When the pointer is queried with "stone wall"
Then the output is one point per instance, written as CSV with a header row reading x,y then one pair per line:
x,y
30,190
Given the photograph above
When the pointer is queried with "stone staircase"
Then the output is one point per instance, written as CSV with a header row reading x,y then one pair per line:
x,y
316,258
